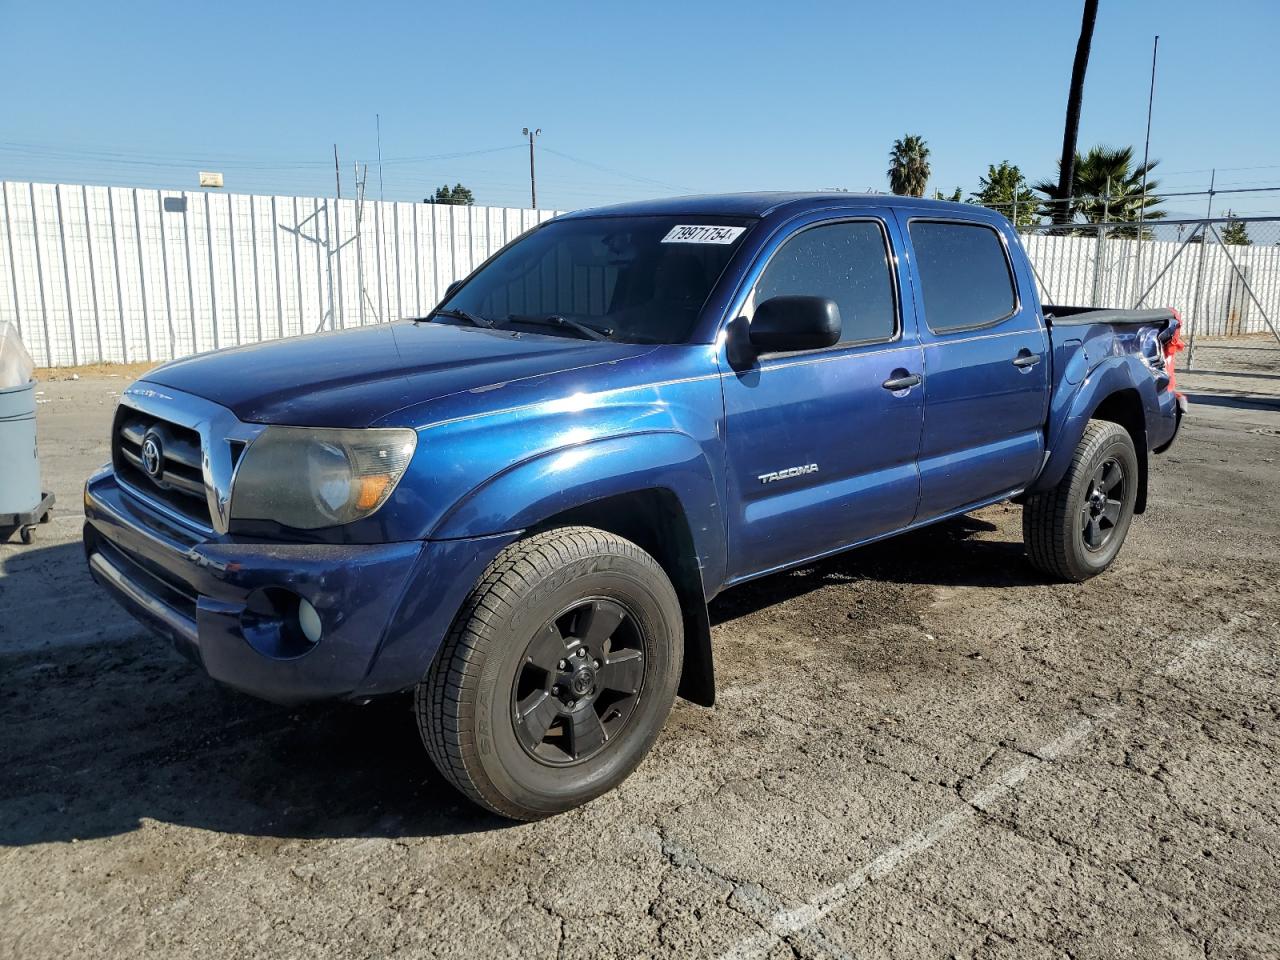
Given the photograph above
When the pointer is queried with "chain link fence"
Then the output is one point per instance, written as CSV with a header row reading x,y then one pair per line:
x,y
1222,275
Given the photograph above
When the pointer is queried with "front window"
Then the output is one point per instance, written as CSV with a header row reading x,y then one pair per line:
x,y
633,279
847,262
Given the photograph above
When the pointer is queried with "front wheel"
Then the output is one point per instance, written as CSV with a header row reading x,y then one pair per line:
x,y
1075,530
557,675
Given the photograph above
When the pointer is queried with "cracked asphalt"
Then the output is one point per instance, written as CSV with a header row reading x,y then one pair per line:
x,y
921,749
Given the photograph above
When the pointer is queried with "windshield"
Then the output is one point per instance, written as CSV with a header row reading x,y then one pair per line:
x,y
632,279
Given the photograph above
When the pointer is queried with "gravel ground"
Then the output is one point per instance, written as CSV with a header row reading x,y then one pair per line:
x,y
921,749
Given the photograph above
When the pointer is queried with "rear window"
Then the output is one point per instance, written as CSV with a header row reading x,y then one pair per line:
x,y
964,274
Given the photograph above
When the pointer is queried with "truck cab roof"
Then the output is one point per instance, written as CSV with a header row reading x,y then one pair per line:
x,y
766,203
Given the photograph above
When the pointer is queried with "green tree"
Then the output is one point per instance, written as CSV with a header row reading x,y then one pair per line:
x,y
1100,169
957,196
1001,187
909,166
457,194
1075,96
1235,233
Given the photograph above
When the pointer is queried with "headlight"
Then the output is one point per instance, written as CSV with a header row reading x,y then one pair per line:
x,y
307,478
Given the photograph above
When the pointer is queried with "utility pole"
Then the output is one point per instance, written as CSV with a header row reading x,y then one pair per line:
x,y
1204,243
337,177
533,180
377,117
1146,156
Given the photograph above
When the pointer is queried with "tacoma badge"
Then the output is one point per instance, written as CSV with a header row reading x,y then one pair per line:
x,y
788,473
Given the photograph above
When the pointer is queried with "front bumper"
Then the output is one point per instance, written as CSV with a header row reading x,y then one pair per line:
x,y
212,598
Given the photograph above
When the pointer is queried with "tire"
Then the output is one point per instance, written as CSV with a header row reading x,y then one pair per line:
x,y
528,652
1074,531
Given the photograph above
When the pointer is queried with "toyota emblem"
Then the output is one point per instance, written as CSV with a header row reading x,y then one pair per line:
x,y
152,458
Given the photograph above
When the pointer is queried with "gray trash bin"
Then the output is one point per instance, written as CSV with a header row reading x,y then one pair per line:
x,y
19,464
22,505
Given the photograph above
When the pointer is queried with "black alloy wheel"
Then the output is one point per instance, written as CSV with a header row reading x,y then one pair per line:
x,y
1103,505
582,676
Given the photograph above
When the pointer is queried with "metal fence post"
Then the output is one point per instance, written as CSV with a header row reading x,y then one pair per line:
x,y
66,275
213,296
115,263
1099,262
1195,309
417,271
93,273
235,273
395,226
257,286
191,274
337,319
44,304
275,265
142,276
168,294
13,267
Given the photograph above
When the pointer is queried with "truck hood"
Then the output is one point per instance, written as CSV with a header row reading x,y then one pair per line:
x,y
352,378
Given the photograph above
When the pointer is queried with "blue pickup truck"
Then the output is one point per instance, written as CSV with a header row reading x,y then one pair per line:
x,y
519,506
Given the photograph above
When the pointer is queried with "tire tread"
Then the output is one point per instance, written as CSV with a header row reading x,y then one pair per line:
x,y
1047,518
443,702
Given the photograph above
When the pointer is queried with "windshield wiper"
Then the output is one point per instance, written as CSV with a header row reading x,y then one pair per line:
x,y
466,316
555,320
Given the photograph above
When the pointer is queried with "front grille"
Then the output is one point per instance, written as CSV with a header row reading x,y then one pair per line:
x,y
160,460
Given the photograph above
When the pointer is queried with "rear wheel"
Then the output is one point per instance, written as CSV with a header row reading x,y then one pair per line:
x,y
1075,530
557,675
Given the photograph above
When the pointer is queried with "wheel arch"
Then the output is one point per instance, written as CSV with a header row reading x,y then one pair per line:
x,y
655,520
1109,393
1125,407
656,489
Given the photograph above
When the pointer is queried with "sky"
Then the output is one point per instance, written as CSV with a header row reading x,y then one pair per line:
x,y
634,100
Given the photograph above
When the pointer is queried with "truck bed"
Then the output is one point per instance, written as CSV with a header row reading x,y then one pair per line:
x,y
1062,316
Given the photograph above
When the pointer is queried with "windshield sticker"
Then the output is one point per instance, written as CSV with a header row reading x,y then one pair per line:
x,y
702,233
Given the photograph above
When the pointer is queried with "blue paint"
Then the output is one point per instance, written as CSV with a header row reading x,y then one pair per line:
x,y
773,460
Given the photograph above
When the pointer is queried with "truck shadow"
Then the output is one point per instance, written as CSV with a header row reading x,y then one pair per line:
x,y
101,732
944,554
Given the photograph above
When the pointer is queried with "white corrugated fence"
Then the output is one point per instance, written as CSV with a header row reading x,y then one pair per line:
x,y
122,274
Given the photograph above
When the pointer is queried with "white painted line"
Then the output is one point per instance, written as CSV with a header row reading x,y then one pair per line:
x,y
790,922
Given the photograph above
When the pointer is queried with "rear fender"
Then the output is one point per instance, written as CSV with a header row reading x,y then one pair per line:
x,y
1123,389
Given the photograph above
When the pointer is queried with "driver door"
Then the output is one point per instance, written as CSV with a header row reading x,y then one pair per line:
x,y
821,452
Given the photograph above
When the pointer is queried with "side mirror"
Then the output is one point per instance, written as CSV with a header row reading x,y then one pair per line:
x,y
784,324
450,290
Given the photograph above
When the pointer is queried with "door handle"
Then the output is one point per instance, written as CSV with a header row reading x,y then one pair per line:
x,y
1026,359
903,383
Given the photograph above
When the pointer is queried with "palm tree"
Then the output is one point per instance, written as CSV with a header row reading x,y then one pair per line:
x,y
909,166
1105,185
1075,95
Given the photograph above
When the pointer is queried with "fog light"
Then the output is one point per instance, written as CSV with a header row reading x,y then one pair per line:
x,y
309,621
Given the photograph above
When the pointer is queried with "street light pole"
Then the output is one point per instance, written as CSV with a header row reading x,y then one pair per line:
x,y
533,181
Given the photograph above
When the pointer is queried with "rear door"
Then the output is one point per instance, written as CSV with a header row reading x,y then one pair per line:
x,y
820,453
985,365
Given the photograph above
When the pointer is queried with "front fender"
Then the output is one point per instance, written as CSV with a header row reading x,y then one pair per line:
x,y
541,486
1072,409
